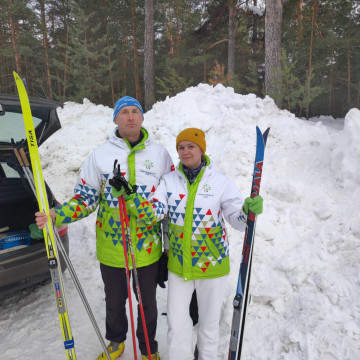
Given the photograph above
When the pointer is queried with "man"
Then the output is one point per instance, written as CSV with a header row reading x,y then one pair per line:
x,y
143,163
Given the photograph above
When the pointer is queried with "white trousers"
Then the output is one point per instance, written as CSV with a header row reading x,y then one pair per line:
x,y
210,294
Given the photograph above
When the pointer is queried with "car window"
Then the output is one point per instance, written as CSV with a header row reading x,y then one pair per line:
x,y
12,126
8,171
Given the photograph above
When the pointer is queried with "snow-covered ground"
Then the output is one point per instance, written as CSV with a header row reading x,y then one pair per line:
x,y
306,278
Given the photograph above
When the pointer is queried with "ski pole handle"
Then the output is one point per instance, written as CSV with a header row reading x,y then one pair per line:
x,y
16,151
18,157
24,157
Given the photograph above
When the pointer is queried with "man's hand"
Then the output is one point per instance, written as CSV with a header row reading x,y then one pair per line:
x,y
41,218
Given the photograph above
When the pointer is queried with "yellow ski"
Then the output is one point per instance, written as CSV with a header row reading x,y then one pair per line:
x,y
50,244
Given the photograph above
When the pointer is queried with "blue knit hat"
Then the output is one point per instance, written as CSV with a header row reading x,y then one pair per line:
x,y
126,101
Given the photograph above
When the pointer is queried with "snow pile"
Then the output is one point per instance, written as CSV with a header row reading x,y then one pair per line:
x,y
305,281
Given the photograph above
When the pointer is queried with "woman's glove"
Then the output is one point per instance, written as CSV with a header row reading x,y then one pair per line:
x,y
254,204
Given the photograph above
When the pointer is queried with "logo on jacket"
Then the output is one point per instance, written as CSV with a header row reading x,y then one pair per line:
x,y
206,188
149,164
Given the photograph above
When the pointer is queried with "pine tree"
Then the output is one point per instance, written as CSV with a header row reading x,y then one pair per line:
x,y
87,49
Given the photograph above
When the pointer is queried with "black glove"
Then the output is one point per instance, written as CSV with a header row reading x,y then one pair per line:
x,y
119,184
163,271
193,309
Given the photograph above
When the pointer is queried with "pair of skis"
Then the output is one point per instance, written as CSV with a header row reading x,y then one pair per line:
x,y
51,236
241,299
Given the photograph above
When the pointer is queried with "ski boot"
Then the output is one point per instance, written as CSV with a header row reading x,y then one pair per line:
x,y
155,356
114,349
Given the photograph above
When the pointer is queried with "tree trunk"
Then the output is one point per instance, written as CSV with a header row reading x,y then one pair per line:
x,y
58,73
109,62
313,25
348,69
204,72
14,40
111,80
124,65
149,55
300,19
273,19
178,38
170,32
29,85
231,44
331,80
46,48
358,96
66,62
136,56
58,76
254,39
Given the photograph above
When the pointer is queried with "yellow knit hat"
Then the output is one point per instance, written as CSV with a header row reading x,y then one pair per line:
x,y
194,135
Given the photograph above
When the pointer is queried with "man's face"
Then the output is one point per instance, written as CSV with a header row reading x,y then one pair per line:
x,y
129,121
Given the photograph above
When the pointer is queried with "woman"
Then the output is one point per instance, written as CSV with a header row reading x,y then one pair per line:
x,y
196,199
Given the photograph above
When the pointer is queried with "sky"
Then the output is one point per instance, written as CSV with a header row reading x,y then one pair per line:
x,y
305,297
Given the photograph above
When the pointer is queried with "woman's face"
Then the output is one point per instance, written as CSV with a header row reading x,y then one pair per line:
x,y
189,154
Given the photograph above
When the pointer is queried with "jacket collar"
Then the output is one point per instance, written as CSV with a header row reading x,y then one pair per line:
x,y
123,143
209,167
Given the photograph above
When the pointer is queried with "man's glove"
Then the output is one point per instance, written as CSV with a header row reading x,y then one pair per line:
x,y
116,193
254,204
163,271
119,184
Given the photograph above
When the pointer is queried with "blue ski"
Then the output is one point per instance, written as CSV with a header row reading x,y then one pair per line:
x,y
241,299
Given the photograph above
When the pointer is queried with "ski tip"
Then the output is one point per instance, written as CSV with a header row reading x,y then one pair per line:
x,y
258,132
20,84
265,134
17,78
266,131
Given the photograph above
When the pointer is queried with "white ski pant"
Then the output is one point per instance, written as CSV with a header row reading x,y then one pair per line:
x,y
210,294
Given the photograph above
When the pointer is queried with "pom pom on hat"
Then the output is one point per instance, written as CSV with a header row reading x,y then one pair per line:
x,y
194,135
126,101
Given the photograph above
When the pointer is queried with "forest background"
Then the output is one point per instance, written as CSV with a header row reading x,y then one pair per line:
x,y
302,53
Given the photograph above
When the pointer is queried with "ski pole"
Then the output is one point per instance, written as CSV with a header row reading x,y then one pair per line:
x,y
24,163
136,278
122,220
80,291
